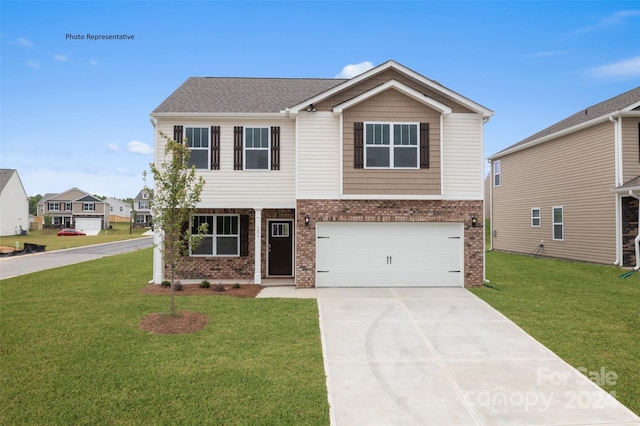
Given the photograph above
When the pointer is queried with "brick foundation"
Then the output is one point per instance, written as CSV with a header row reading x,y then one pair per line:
x,y
388,211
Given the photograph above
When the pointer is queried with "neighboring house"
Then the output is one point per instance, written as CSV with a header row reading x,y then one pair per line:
x,y
570,191
372,181
75,208
142,207
119,211
14,204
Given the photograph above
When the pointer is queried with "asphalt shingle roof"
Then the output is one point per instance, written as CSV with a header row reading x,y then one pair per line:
x,y
243,95
609,106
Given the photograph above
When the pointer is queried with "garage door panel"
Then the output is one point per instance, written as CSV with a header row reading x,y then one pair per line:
x,y
389,254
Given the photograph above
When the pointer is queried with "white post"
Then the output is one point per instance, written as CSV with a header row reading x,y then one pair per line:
x,y
257,275
158,261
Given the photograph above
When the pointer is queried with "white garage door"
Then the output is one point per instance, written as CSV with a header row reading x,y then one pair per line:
x,y
90,226
389,254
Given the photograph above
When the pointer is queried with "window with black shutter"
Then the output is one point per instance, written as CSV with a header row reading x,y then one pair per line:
x,y
244,235
177,133
215,147
358,145
424,145
275,148
237,147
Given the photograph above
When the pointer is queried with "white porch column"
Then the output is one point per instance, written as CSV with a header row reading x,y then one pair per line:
x,y
158,261
257,238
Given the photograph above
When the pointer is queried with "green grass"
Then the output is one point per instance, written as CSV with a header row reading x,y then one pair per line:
x,y
49,238
72,353
585,313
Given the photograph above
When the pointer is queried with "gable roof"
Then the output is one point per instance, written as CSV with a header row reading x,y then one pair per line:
x,y
242,95
5,176
594,114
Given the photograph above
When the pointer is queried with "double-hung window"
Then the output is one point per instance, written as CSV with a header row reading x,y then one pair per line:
x,y
67,207
222,237
197,139
496,173
54,207
391,145
535,217
88,207
558,223
256,148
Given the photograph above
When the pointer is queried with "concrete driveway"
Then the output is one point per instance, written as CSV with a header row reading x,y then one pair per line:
x,y
438,356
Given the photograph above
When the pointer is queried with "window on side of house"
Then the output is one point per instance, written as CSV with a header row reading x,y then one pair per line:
x,y
391,145
222,237
535,217
558,223
88,207
67,207
496,173
256,148
197,139
54,207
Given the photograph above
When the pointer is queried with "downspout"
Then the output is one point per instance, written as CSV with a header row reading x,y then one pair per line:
x,y
617,178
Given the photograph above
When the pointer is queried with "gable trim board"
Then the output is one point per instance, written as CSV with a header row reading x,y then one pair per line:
x,y
315,168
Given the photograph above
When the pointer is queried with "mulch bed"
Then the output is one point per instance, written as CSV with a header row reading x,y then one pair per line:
x,y
187,321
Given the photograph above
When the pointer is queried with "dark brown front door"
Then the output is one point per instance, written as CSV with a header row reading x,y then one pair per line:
x,y
280,248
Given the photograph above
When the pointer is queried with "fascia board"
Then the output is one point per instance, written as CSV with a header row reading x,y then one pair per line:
x,y
393,84
222,115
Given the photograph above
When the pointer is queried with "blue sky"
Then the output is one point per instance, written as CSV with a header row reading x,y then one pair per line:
x,y
75,112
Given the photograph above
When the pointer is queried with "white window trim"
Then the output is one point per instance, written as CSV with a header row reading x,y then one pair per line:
x,y
497,166
539,217
51,208
87,204
391,146
208,149
553,221
245,149
214,235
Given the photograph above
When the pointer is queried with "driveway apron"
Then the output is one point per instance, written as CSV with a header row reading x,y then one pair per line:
x,y
442,356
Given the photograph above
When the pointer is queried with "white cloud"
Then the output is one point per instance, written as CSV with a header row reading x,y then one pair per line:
x,y
616,20
112,147
627,68
352,70
33,64
23,42
60,58
138,147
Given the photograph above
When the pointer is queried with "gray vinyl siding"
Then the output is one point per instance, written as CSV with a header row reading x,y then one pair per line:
x,y
575,172
630,147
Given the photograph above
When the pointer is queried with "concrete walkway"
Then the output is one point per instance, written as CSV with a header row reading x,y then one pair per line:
x,y
444,357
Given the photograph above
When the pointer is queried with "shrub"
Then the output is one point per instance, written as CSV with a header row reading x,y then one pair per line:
x,y
205,284
236,285
177,285
218,287
166,283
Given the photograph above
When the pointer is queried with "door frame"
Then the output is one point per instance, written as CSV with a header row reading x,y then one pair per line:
x,y
293,248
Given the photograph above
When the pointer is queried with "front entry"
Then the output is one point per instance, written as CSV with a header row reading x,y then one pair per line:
x,y
280,246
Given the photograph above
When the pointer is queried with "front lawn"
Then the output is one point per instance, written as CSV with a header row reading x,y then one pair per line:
x,y
48,237
585,313
72,353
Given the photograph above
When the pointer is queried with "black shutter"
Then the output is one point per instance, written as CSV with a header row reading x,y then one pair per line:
x,y
237,147
215,147
275,148
177,133
244,235
358,145
424,145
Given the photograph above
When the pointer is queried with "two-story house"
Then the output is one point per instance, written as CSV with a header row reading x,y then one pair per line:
x,y
371,181
14,204
75,208
119,211
142,208
571,190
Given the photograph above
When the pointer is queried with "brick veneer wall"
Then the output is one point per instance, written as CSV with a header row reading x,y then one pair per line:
x,y
629,230
388,211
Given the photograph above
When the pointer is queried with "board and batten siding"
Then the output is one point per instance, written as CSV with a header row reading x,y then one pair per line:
x,y
630,148
229,188
318,155
575,172
462,156
391,106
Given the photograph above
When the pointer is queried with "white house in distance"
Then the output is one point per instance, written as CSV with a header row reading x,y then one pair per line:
x,y
371,181
14,203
